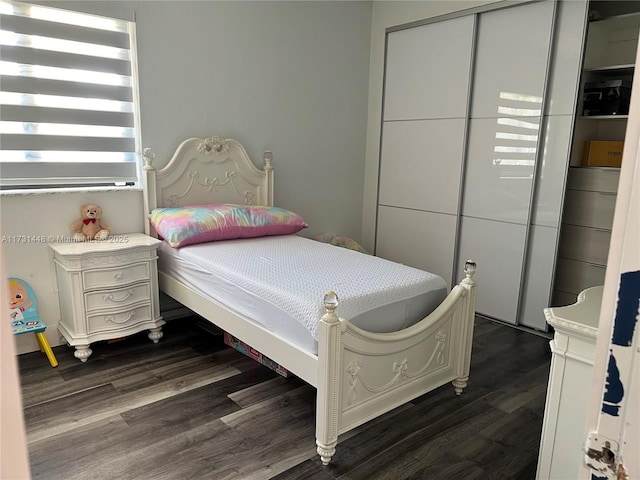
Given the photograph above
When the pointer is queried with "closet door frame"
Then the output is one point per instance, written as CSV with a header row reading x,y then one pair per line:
x,y
476,12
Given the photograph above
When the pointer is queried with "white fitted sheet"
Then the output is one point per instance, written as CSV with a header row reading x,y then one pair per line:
x,y
279,283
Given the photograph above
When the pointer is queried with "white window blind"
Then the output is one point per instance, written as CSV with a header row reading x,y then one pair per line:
x,y
68,98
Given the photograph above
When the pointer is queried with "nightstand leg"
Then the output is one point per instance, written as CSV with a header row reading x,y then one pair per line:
x,y
82,352
155,334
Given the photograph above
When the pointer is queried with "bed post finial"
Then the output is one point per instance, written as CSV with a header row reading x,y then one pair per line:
x,y
268,158
470,268
147,158
330,305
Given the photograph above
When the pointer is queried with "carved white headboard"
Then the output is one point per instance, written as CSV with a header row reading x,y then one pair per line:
x,y
207,170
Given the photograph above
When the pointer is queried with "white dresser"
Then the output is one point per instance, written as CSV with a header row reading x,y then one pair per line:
x,y
107,289
573,348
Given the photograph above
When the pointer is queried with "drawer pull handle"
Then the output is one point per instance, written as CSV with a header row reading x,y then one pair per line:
x,y
608,193
109,298
118,276
112,318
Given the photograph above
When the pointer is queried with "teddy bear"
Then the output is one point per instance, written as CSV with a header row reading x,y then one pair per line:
x,y
90,226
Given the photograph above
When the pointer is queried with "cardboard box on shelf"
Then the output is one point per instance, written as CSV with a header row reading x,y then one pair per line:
x,y
598,153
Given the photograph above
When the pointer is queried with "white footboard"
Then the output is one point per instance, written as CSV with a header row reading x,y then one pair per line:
x,y
363,375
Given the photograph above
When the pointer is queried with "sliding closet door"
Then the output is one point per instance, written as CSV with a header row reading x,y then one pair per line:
x,y
424,125
510,72
561,96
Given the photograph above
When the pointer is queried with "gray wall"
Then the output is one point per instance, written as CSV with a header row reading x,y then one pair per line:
x,y
291,77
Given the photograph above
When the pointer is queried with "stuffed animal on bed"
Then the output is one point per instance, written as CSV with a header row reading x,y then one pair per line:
x,y
90,226
340,241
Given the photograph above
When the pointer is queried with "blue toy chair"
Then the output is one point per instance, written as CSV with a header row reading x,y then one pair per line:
x,y
23,308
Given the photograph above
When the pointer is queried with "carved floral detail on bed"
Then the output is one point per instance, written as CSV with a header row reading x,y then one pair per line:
x,y
213,145
400,370
211,185
209,170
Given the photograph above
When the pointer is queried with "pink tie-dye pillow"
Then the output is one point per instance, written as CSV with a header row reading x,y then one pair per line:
x,y
181,226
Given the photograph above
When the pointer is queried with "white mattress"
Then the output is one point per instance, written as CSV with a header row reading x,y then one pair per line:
x,y
279,282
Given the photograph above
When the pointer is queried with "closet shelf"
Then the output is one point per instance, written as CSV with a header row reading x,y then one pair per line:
x,y
603,117
612,69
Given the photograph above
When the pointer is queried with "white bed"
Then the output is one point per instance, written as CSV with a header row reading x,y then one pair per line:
x,y
240,275
383,354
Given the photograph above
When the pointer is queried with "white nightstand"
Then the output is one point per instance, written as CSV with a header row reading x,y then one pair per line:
x,y
107,289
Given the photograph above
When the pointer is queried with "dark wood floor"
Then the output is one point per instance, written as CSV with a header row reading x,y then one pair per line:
x,y
191,408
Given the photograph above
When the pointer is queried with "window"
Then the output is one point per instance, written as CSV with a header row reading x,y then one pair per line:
x,y
68,98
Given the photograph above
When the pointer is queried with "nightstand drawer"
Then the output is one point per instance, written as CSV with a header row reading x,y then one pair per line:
x,y
117,297
121,319
111,277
